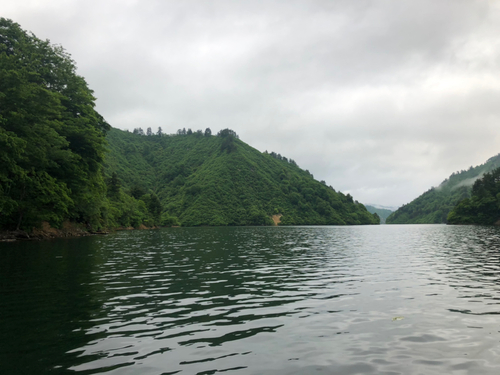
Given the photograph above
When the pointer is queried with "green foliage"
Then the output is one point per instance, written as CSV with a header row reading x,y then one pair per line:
x,y
169,221
484,205
51,138
154,207
56,165
40,198
197,184
114,185
228,144
434,205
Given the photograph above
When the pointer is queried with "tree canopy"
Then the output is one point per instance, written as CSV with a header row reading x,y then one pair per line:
x,y
59,160
223,181
52,141
434,205
483,207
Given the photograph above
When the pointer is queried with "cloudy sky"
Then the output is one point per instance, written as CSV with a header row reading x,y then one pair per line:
x,y
381,99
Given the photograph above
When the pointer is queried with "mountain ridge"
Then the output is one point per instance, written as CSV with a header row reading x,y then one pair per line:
x,y
220,180
434,205
62,164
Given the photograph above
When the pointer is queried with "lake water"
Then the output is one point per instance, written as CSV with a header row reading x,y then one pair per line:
x,y
415,299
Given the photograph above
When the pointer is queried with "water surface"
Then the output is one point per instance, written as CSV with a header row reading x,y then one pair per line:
x,y
416,299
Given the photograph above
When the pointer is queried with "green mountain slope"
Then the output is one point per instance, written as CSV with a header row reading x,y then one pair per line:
x,y
220,180
484,205
434,205
383,213
53,147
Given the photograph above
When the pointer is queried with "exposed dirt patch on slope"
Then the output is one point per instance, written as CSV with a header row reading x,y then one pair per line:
x,y
276,219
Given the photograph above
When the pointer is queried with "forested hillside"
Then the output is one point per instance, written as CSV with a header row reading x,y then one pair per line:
x,y
54,146
484,205
434,205
204,179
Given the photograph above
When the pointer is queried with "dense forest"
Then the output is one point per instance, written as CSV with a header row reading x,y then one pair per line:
x,y
61,162
202,179
52,141
483,207
434,205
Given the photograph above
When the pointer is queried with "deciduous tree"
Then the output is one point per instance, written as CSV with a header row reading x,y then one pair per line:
x,y
52,139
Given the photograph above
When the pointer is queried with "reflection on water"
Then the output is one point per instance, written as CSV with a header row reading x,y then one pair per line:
x,y
292,300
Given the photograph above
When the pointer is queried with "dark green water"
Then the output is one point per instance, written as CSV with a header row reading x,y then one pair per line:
x,y
293,300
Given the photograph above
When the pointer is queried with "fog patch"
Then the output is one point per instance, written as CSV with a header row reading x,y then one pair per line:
x,y
468,182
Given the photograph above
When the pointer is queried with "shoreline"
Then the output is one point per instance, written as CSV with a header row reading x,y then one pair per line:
x,y
68,230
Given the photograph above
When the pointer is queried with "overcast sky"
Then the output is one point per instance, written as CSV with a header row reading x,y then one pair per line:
x,y
381,99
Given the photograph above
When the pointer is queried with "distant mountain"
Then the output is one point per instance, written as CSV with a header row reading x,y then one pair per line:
x,y
383,213
202,179
434,205
390,208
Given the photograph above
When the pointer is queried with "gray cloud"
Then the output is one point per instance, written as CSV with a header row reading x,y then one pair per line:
x,y
380,99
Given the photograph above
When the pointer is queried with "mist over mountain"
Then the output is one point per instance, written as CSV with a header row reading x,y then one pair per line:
x,y
433,206
383,213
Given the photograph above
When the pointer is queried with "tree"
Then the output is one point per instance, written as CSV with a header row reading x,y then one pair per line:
x,y
228,136
137,191
12,149
208,132
54,138
484,205
159,133
154,208
189,131
228,144
114,185
227,133
149,132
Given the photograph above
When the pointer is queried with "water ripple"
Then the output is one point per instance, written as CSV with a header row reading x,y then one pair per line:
x,y
295,300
